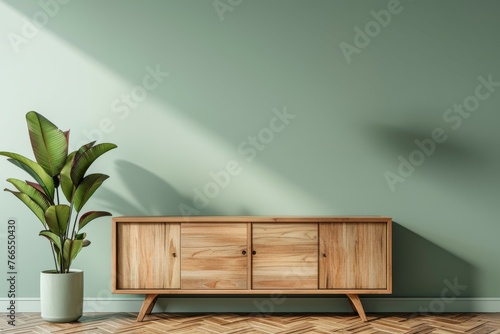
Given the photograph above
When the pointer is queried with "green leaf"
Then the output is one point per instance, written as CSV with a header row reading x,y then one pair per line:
x,y
90,216
31,204
67,185
54,238
83,160
81,236
36,186
85,147
86,189
71,249
33,192
33,169
57,217
79,153
50,145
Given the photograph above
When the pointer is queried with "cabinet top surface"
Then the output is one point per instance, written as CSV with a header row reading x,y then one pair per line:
x,y
252,219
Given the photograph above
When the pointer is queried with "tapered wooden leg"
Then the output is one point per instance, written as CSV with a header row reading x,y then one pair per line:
x,y
147,306
357,306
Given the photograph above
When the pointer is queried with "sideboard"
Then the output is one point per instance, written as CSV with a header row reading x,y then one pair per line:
x,y
252,255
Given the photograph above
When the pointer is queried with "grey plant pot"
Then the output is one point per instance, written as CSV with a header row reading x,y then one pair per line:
x,y
61,295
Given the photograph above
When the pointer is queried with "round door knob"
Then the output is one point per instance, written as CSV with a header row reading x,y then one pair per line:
x,y
254,252
174,255
324,254
244,252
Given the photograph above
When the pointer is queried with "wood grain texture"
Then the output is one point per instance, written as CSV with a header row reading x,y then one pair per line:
x,y
255,219
293,255
212,256
257,323
286,256
147,256
353,256
357,306
147,306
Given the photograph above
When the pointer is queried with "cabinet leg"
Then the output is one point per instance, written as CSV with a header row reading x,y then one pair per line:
x,y
147,306
357,306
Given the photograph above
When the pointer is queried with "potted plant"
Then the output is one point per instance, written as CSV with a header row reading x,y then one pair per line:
x,y
61,215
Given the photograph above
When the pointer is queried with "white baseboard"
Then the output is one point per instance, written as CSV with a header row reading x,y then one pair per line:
x,y
276,304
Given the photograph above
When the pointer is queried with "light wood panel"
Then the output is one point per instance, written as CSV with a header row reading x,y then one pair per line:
x,y
353,256
286,256
255,219
147,256
214,256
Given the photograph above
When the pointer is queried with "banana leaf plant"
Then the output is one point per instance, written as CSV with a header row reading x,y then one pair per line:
x,y
55,171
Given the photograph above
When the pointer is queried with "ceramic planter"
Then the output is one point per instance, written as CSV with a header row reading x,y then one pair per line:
x,y
61,295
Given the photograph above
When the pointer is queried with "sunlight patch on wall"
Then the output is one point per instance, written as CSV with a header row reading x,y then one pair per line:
x,y
211,174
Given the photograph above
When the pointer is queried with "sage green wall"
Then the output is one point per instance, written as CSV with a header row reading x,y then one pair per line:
x,y
352,106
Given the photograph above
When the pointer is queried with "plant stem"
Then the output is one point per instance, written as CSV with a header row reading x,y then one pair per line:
x,y
72,237
73,233
60,269
61,256
54,256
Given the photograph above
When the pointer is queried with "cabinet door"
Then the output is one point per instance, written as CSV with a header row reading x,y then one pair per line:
x,y
147,256
353,255
214,256
285,256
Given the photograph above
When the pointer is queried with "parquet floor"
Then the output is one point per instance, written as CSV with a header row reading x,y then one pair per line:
x,y
474,323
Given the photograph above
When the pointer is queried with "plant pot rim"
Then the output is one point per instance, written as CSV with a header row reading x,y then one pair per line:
x,y
53,271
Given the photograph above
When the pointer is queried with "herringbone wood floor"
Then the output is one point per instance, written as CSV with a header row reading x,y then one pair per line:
x,y
276,323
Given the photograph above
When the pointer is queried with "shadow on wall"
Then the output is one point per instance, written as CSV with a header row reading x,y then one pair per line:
x,y
451,160
421,267
151,195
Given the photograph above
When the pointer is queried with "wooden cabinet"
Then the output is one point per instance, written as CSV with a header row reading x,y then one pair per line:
x,y
252,255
